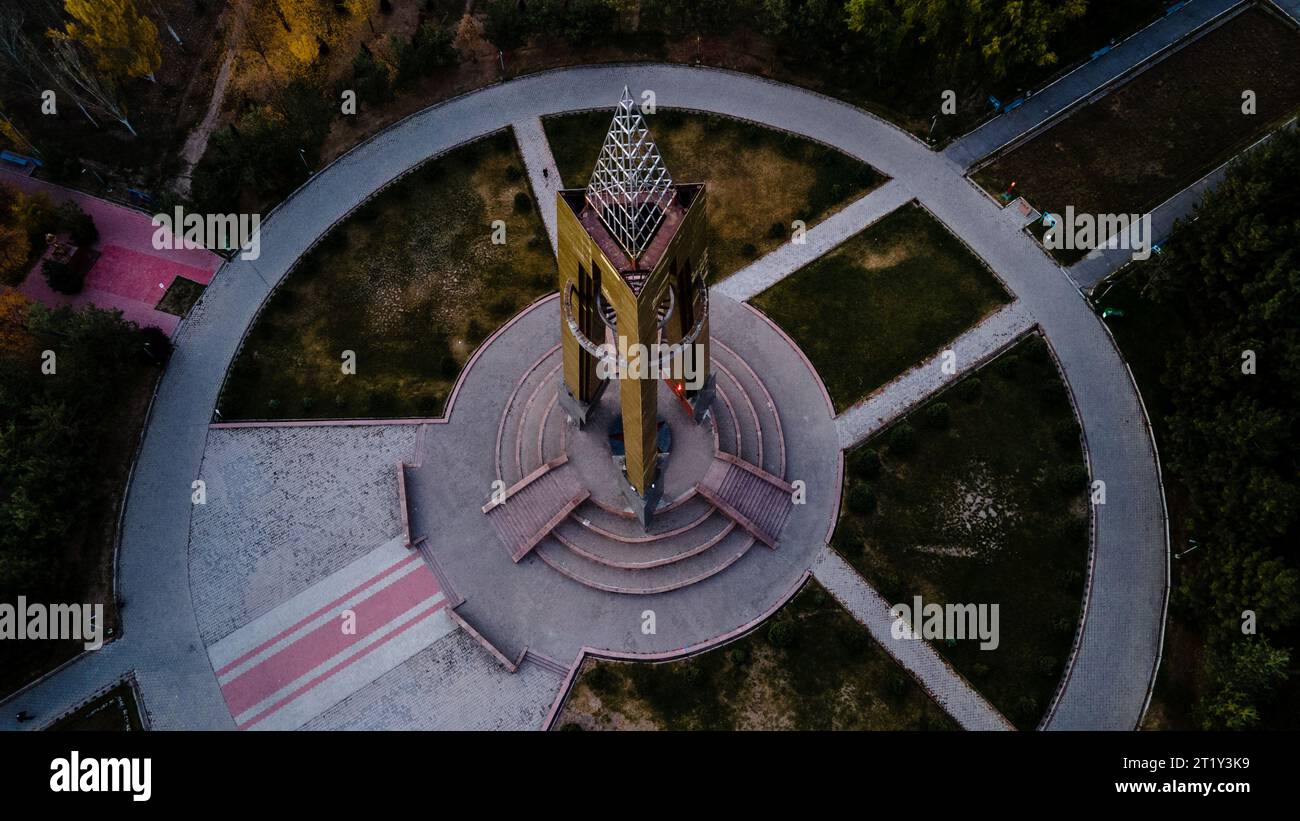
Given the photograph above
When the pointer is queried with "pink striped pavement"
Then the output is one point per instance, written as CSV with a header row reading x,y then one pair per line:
x,y
130,274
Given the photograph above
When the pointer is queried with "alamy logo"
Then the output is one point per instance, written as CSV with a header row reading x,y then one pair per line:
x,y
1086,232
77,774
57,622
215,232
681,363
946,622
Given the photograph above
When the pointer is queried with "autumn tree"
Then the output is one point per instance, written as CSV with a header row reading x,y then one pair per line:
x,y
123,42
13,255
987,39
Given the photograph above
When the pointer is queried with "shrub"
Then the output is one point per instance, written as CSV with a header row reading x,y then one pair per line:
x,y
155,344
503,306
865,464
970,388
602,680
902,439
513,174
739,655
936,416
862,499
63,277
1027,709
449,367
749,250
781,634
1066,434
523,203
77,223
776,231
1071,478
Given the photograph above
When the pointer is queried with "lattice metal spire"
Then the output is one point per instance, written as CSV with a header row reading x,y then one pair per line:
x,y
630,186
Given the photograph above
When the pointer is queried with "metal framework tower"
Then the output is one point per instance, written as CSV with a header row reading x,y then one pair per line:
x,y
633,263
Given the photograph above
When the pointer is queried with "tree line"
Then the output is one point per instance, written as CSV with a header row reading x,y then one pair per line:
x,y
1231,396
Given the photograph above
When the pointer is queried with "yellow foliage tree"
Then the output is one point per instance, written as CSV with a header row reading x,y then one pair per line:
x,y
123,41
15,340
13,253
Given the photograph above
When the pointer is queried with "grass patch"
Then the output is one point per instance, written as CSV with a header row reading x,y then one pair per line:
x,y
883,301
979,496
411,283
811,667
1169,126
114,711
759,180
180,297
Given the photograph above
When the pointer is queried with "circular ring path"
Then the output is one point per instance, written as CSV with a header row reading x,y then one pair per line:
x,y
1119,646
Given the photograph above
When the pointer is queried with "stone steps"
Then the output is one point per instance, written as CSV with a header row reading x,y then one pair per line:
x,y
773,458
645,581
650,551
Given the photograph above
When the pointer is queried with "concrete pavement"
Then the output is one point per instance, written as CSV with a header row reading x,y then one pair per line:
x,y
1116,659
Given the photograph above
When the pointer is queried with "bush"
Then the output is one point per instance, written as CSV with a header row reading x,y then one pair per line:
x,y
449,367
602,680
749,250
776,231
523,203
1070,478
1066,434
739,655
430,48
936,416
862,499
513,174
502,307
373,82
902,439
155,343
77,223
865,464
970,388
781,634
63,277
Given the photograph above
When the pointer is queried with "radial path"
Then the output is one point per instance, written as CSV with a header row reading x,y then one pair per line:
x,y
165,640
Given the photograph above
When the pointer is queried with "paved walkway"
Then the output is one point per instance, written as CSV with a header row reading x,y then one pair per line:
x,y
1116,659
1085,80
949,690
821,239
994,334
542,173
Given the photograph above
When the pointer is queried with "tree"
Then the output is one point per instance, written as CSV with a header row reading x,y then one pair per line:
x,y
123,42
1246,679
13,255
84,85
963,38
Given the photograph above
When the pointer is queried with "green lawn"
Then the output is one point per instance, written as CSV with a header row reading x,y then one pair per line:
x,y
811,667
412,283
759,180
1156,134
980,496
882,302
114,711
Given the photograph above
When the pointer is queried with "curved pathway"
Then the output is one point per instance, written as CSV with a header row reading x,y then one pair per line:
x,y
1120,640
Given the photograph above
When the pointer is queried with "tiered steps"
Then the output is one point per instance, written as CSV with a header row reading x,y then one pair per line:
x,y
658,579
